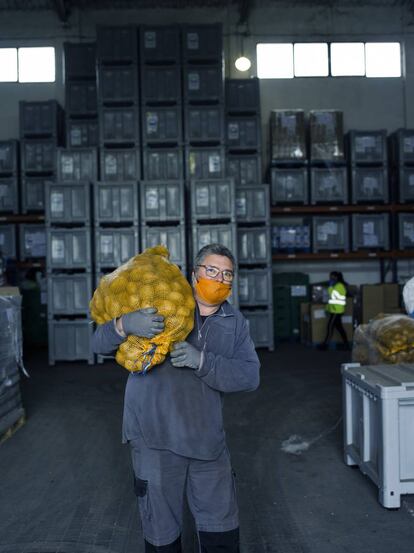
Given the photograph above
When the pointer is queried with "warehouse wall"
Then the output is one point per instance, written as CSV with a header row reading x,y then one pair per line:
x,y
367,103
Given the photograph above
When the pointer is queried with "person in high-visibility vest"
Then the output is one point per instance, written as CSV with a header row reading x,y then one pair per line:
x,y
336,308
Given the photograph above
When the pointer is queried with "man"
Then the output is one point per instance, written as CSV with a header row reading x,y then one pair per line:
x,y
173,414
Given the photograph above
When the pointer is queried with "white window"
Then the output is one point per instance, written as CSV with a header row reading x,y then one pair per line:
x,y
347,59
311,59
274,61
8,65
37,65
383,59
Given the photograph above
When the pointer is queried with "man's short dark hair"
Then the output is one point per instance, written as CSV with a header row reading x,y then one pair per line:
x,y
213,249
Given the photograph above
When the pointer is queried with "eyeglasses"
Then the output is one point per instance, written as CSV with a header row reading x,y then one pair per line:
x,y
213,272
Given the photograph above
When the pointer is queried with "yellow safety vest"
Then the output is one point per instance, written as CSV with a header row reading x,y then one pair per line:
x,y
337,298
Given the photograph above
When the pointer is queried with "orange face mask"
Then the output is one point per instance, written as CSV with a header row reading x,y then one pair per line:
x,y
212,292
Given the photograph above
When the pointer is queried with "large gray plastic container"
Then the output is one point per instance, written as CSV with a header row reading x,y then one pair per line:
x,y
80,60
38,155
68,203
8,241
8,157
370,231
162,201
69,294
202,235
42,118
368,146
290,185
406,184
118,84
245,169
205,163
242,95
406,231
119,125
160,84
378,410
82,134
69,248
243,132
402,146
80,165
9,201
120,165
81,98
260,327
329,185
253,204
161,124
255,287
117,44
160,44
115,203
32,241
33,191
204,124
203,43
70,340
212,200
330,233
114,246
203,83
163,164
253,245
369,184
171,237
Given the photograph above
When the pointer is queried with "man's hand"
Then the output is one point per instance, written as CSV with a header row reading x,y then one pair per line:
x,y
185,355
144,323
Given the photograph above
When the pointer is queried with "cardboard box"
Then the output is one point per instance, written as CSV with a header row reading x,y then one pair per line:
x,y
314,322
379,298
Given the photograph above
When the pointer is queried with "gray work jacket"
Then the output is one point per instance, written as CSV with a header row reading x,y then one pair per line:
x,y
180,409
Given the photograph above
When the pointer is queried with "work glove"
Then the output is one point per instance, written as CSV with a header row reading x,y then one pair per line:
x,y
144,323
185,355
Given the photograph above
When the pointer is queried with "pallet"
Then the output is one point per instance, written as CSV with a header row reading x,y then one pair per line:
x,y
13,428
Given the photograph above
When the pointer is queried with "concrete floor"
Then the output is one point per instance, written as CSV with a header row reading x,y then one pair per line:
x,y
66,484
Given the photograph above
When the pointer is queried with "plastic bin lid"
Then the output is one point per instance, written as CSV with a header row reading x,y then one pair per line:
x,y
384,381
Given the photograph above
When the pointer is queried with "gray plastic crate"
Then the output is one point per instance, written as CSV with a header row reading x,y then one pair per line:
x,y
68,203
8,157
370,231
405,231
33,193
117,44
80,60
78,165
369,184
82,134
245,169
161,124
288,135
204,123
118,84
330,233
38,155
69,294
205,163
290,237
70,341
402,146
260,327
40,119
368,146
114,246
116,203
243,132
171,237
255,287
242,95
406,184
160,84
9,201
120,165
253,245
163,164
162,201
290,185
203,83
69,249
160,44
119,125
8,241
377,416
328,185
32,241
81,98
202,235
203,43
212,200
253,204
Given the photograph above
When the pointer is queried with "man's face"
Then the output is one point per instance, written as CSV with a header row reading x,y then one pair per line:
x,y
219,262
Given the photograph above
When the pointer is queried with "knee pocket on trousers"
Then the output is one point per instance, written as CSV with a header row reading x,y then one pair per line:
x,y
141,491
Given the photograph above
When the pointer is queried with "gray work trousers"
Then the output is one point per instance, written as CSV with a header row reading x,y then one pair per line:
x,y
161,480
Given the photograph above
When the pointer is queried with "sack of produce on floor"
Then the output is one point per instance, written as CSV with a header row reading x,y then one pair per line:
x,y
386,339
146,280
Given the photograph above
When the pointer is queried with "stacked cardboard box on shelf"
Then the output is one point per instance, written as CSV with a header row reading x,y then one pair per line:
x,y
379,298
314,320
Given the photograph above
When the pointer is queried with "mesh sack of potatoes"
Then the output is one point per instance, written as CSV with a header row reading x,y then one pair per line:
x,y
386,339
146,280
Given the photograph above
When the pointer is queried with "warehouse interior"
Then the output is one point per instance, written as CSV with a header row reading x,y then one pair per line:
x,y
136,129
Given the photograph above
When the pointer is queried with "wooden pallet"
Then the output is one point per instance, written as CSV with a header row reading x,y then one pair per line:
x,y
12,429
